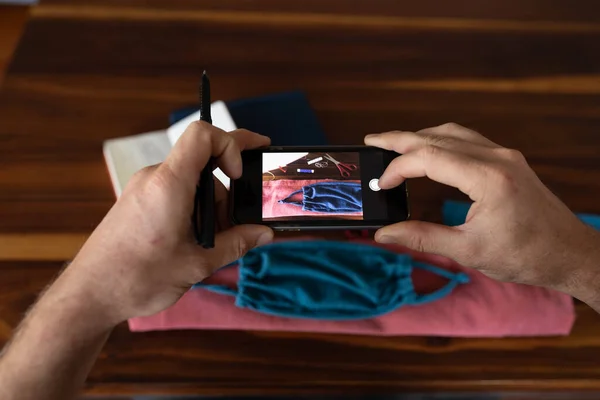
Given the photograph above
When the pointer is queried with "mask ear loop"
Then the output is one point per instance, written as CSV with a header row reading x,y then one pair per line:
x,y
455,280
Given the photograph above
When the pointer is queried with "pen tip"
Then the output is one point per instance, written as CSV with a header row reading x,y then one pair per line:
x,y
204,73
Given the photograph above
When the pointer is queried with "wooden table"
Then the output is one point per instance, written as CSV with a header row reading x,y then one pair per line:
x,y
526,73
12,22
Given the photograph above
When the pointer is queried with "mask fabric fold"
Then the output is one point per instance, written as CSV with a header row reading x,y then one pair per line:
x,y
330,280
328,197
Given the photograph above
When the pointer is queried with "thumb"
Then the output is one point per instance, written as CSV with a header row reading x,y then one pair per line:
x,y
234,242
425,237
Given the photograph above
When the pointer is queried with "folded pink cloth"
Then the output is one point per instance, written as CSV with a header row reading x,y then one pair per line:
x,y
273,191
482,308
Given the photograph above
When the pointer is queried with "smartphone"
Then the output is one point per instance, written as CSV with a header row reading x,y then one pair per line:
x,y
309,188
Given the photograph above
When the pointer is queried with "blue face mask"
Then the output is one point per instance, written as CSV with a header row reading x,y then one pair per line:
x,y
329,280
329,197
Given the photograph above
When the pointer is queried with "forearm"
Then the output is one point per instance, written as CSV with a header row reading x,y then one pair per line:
x,y
589,290
582,279
56,345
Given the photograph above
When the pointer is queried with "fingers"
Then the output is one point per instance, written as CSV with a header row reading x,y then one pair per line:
x,y
243,140
459,132
200,141
439,164
451,136
247,140
140,176
192,151
406,142
233,243
425,237
449,154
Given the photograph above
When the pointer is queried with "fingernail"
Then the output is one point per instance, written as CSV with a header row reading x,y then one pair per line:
x,y
265,238
371,136
385,239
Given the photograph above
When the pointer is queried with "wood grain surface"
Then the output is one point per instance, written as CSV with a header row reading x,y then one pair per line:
x,y
12,23
525,73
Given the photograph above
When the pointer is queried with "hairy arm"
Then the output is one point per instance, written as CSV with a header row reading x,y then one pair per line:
x,y
55,347
140,260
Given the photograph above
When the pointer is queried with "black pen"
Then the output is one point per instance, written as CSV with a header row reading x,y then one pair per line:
x,y
203,218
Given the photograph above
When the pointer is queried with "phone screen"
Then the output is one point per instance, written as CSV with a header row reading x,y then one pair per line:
x,y
317,187
313,185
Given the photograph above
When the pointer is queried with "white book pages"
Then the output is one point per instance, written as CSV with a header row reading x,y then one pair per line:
x,y
125,156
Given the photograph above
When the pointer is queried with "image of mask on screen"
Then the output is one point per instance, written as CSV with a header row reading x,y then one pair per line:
x,y
311,186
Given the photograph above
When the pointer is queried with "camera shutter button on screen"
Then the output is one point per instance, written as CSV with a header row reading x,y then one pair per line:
x,y
374,185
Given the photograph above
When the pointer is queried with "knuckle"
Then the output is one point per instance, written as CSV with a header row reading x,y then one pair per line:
x,y
234,142
241,247
202,127
141,175
199,134
503,179
417,239
439,141
450,126
417,242
512,155
429,151
162,178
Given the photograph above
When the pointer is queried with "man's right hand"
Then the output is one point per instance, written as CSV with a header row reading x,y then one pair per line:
x,y
517,230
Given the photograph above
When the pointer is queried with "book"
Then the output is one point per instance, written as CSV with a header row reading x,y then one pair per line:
x,y
126,155
286,118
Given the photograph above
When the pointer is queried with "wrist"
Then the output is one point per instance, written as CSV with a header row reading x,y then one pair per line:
x,y
583,280
80,299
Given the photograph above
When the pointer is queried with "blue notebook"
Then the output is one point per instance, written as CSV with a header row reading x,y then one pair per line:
x,y
286,118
